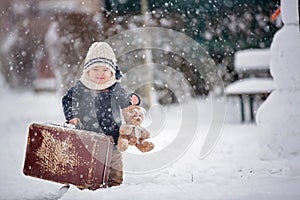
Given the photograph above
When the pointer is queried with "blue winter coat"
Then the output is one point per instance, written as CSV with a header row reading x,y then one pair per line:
x,y
98,111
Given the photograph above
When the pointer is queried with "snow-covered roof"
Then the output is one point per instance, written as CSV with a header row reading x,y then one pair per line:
x,y
252,59
68,6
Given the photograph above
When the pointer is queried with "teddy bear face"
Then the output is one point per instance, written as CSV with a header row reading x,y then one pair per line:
x,y
134,115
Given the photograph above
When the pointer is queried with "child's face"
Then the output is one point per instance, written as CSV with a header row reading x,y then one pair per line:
x,y
99,74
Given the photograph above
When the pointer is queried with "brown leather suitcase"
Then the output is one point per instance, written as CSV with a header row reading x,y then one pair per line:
x,y
68,156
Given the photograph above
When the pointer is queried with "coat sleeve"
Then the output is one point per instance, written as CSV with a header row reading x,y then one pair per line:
x,y
69,104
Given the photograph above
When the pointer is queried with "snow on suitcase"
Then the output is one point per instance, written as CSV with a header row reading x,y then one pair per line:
x,y
68,156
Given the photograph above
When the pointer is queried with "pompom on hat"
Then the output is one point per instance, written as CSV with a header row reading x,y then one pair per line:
x,y
100,54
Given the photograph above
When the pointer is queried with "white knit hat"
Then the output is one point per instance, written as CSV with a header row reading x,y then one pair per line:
x,y
100,53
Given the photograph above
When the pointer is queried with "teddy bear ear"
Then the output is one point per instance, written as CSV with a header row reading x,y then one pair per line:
x,y
126,109
142,110
126,114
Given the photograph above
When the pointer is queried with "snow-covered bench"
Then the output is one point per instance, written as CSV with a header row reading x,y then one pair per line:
x,y
252,67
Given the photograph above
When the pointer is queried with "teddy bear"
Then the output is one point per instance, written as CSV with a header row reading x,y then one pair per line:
x,y
131,132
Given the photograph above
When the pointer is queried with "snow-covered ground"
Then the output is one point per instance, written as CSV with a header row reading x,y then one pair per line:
x,y
233,170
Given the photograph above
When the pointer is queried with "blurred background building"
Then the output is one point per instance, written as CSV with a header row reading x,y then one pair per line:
x,y
44,42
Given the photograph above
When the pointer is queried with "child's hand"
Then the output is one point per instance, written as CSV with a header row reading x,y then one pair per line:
x,y
134,100
75,121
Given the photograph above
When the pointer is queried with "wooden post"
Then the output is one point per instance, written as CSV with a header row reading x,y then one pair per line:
x,y
251,101
148,56
242,108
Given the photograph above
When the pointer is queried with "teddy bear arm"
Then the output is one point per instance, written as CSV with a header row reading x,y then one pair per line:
x,y
144,134
125,129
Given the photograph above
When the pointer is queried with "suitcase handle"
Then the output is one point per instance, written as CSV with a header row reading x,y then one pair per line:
x,y
69,125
